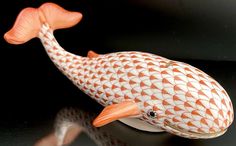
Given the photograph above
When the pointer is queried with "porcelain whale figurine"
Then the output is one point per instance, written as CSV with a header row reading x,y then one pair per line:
x,y
143,90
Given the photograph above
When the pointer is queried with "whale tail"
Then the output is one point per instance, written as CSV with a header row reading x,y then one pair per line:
x,y
30,20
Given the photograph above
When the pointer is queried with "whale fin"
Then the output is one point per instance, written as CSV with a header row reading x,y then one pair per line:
x,y
30,20
26,27
57,17
116,111
92,54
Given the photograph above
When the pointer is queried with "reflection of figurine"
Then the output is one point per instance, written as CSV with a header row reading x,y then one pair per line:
x,y
70,122
143,90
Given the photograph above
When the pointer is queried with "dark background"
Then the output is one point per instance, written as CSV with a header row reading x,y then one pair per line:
x,y
201,33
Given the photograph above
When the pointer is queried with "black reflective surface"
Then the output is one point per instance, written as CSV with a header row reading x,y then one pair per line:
x,y
33,91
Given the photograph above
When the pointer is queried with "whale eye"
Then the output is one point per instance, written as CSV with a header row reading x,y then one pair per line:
x,y
152,114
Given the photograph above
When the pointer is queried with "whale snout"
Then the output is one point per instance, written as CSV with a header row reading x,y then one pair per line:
x,y
207,114
192,104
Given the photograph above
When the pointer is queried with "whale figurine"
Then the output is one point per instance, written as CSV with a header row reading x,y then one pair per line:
x,y
142,90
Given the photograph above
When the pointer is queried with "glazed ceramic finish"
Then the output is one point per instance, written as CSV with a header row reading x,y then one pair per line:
x,y
185,100
180,94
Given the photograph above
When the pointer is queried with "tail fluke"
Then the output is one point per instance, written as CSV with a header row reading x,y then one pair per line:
x,y
30,20
26,27
57,17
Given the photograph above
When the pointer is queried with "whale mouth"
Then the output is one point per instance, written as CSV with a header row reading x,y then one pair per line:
x,y
192,134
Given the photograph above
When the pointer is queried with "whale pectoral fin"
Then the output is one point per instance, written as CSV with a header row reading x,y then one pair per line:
x,y
116,111
92,54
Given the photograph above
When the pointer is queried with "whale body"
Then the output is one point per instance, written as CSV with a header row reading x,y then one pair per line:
x,y
144,90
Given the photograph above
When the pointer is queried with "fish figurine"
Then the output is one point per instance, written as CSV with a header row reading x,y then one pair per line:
x,y
142,90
